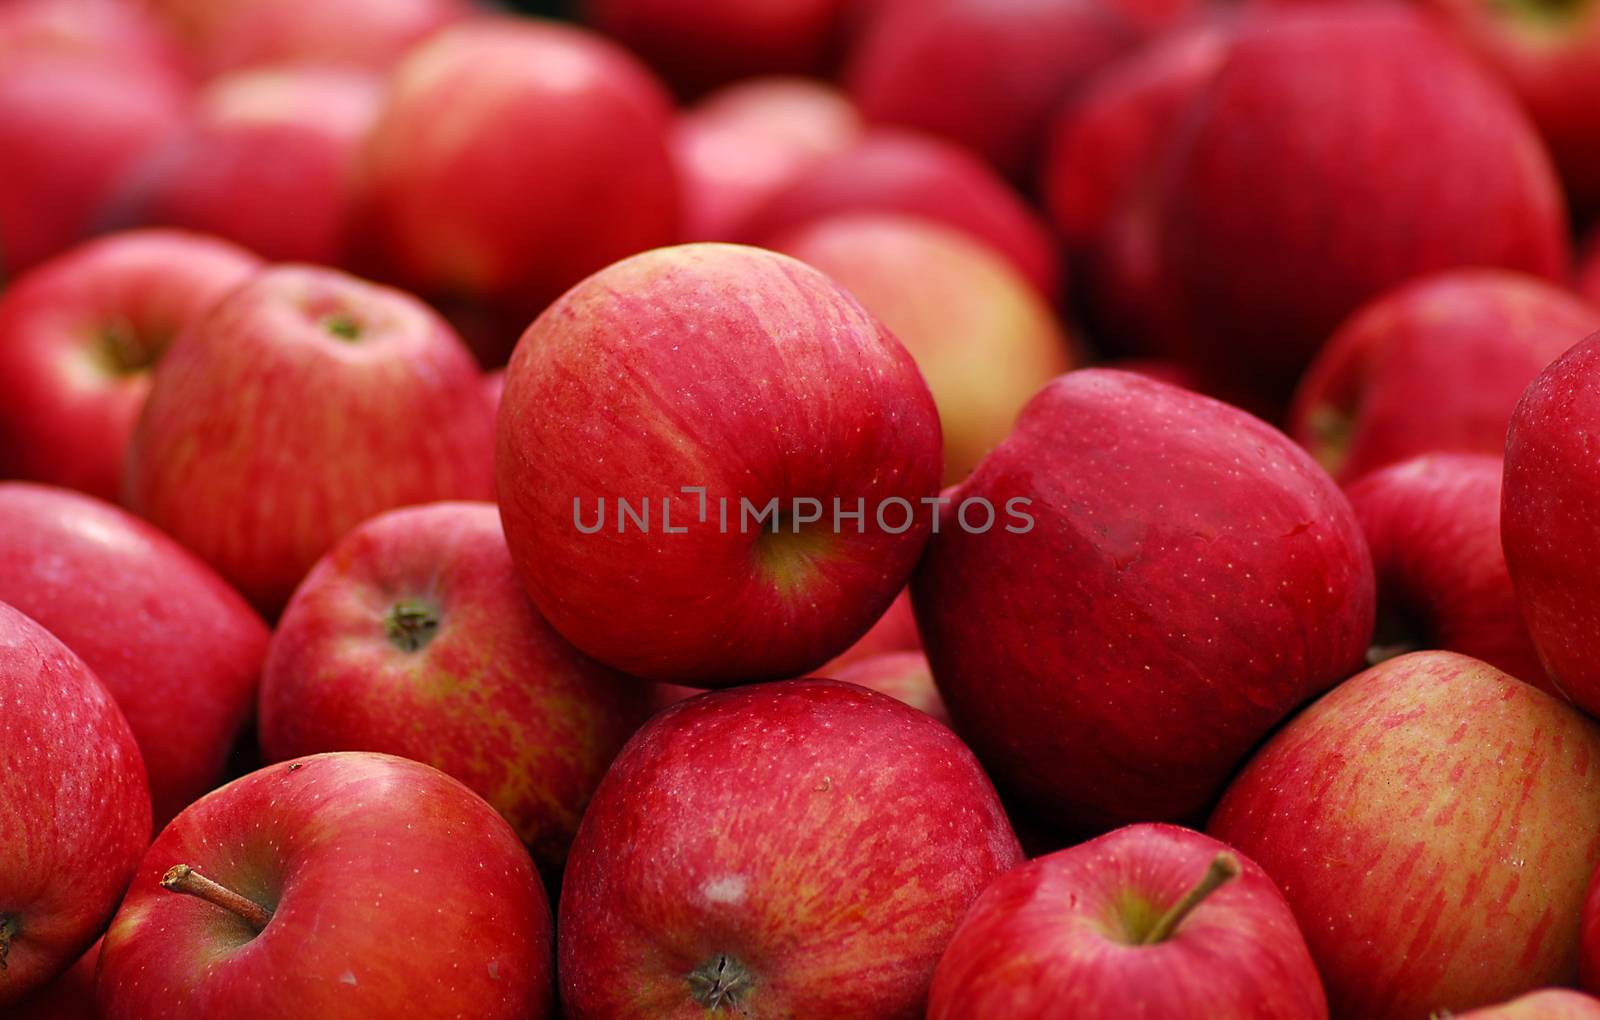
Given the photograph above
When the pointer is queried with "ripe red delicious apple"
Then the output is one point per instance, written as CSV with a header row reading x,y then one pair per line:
x,y
268,161
982,337
1433,822
1433,524
68,997
302,404
824,842
1550,1004
514,158
79,336
1154,541
697,44
895,631
902,172
76,807
1149,921
740,145
177,648
1550,519
344,886
1309,181
413,637
737,403
988,73
1437,364
904,676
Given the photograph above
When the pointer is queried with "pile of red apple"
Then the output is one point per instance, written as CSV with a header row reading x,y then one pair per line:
x,y
800,510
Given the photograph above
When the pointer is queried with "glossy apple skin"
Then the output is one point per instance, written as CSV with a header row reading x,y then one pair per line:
x,y
899,171
394,891
877,830
494,698
740,145
748,373
1055,937
1175,540
268,162
1548,517
1437,364
68,997
1307,182
987,74
74,800
178,649
1434,823
904,676
982,337
513,158
1550,1004
267,436
1433,525
79,336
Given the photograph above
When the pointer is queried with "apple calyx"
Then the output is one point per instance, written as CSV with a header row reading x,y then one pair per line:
x,y
9,929
720,981
1224,868
184,879
410,624
125,350
343,326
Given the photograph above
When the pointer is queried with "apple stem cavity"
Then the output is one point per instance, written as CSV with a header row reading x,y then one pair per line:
x,y
410,624
345,327
9,929
1224,868
720,981
186,880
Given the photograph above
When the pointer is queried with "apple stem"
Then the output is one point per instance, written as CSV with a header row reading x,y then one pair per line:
x,y
8,931
1224,868
186,880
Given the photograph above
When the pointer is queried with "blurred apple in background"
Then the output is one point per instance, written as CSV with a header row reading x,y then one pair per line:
x,y
1434,823
369,400
904,676
68,997
79,337
413,637
1588,275
177,648
1550,1004
339,886
877,830
741,144
1174,541
103,31
982,337
1436,364
895,631
77,810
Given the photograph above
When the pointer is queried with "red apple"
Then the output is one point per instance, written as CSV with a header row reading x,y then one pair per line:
x,y
1149,921
1550,519
901,172
268,162
1309,181
1588,277
697,44
177,648
79,336
895,631
988,73
1433,822
742,144
751,402
1437,364
302,404
345,886
76,807
1149,541
823,840
984,339
68,997
904,676
105,31
413,637
1433,524
1550,1004
512,159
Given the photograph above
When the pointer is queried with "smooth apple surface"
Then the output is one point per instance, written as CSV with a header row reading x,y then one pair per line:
x,y
1588,278
824,842
1435,365
983,338
755,380
68,997
1174,540
904,676
384,888
1308,182
299,406
80,336
1145,923
99,30
178,649
413,637
74,803
1550,1004
1434,823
